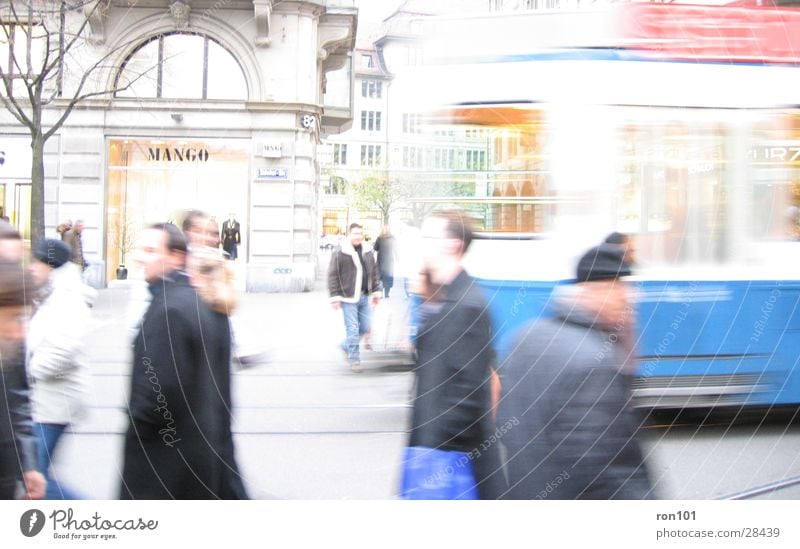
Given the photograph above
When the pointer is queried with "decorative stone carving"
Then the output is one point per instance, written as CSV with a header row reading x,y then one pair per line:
x,y
96,12
180,13
263,14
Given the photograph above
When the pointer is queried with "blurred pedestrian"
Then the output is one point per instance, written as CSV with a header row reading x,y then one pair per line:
x,y
200,229
451,424
626,244
60,378
74,238
12,247
571,431
63,228
17,441
178,436
352,283
387,252
211,276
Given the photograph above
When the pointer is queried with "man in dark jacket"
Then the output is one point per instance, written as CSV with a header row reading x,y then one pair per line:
x,y
352,282
574,434
452,404
17,442
179,443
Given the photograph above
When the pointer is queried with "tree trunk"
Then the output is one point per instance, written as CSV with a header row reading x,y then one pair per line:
x,y
37,188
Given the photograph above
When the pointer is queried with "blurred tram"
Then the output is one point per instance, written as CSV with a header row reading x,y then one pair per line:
x,y
676,124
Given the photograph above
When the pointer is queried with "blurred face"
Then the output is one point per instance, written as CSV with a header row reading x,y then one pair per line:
x,y
79,228
356,236
40,271
437,248
11,249
204,232
630,251
611,300
13,327
153,256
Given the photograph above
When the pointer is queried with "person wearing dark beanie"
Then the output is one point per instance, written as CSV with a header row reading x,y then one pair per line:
x,y
56,336
603,262
53,253
576,436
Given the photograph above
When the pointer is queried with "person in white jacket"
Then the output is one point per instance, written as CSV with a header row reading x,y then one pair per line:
x,y
60,380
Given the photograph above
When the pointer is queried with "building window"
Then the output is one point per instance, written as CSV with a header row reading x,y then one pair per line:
x,y
371,121
412,157
336,185
411,123
370,155
476,160
371,88
14,51
340,153
367,61
181,66
414,55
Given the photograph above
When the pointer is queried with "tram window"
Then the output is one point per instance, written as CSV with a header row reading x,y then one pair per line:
x,y
673,192
775,208
774,161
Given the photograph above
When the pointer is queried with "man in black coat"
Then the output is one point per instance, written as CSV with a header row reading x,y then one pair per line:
x,y
455,359
566,394
179,443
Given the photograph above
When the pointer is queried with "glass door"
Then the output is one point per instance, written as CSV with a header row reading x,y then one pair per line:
x,y
22,209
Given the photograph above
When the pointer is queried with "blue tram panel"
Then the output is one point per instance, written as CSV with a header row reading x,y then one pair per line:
x,y
700,343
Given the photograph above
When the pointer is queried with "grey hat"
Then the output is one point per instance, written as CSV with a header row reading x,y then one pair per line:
x,y
52,252
603,262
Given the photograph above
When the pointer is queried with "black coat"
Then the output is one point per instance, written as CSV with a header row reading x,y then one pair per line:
x,y
454,361
17,442
179,443
574,434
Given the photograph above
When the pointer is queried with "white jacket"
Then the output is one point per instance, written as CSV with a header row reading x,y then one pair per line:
x,y
56,334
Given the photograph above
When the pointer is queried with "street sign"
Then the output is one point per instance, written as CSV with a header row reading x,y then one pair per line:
x,y
272,173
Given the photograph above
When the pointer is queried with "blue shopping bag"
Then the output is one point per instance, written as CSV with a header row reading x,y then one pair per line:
x,y
437,474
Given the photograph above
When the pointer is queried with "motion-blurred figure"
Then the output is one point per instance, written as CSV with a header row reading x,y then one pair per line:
x,y
626,244
60,380
452,403
74,238
387,252
17,442
178,443
575,435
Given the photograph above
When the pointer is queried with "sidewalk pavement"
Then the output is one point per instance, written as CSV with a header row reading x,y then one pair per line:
x,y
305,427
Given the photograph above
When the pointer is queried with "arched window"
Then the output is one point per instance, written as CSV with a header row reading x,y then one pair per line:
x,y
181,66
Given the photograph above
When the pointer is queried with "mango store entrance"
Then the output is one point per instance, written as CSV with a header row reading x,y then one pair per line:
x,y
157,180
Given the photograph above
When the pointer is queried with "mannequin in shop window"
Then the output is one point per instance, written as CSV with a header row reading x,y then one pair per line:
x,y
231,237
